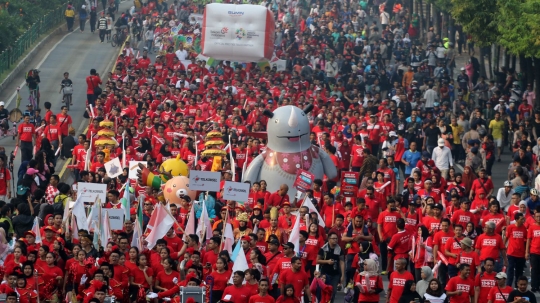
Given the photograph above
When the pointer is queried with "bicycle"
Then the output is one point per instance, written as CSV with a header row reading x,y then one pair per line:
x,y
67,93
33,98
120,36
6,131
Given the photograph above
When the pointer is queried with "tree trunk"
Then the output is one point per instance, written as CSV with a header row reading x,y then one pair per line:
x,y
494,60
428,17
504,58
436,16
499,51
514,63
529,68
422,21
452,29
482,62
536,79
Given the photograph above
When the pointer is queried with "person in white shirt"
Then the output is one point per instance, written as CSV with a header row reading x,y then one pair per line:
x,y
504,195
431,97
385,18
181,53
442,156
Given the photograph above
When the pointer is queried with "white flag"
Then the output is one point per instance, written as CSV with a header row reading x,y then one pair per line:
x,y
80,214
307,203
240,263
204,225
294,238
162,222
229,238
190,226
36,231
105,230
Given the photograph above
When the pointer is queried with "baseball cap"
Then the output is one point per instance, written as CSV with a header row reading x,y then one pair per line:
x,y
392,134
501,275
440,142
273,241
437,205
425,154
289,245
507,183
2,103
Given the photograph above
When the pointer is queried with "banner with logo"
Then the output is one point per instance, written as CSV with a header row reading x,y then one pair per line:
x,y
88,192
204,180
304,180
236,191
349,183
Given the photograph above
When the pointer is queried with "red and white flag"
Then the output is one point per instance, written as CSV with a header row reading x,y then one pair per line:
x,y
35,230
161,223
190,226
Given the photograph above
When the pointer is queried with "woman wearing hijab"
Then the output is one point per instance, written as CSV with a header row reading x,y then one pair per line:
x,y
422,251
468,178
409,293
369,283
423,283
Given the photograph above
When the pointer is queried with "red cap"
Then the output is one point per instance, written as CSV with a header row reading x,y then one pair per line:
x,y
132,211
49,228
246,238
286,203
31,233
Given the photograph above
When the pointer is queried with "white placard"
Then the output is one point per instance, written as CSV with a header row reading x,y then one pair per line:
x,y
90,191
204,180
116,217
236,191
133,167
196,18
114,168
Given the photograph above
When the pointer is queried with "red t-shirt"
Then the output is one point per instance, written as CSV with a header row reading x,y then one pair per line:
x,y
26,131
397,284
261,299
166,280
462,217
238,294
465,285
139,278
431,223
400,244
374,283
486,282
452,246
489,246
440,238
387,221
175,243
297,279
51,273
534,235
5,176
220,279
517,239
496,294
470,258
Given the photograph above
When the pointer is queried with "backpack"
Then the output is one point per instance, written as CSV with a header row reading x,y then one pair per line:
x,y
58,206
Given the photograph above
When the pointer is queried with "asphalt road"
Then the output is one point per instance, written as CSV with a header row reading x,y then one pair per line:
x,y
73,52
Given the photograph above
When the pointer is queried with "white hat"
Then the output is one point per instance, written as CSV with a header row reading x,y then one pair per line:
x,y
83,6
440,142
507,183
2,103
500,275
463,68
392,134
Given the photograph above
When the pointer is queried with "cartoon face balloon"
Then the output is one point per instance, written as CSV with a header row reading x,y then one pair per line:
x,y
176,187
288,129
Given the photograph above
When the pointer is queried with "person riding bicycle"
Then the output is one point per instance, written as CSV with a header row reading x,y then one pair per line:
x,y
32,81
4,117
121,23
66,86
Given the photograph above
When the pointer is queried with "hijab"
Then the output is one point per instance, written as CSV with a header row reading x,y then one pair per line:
x,y
468,179
371,268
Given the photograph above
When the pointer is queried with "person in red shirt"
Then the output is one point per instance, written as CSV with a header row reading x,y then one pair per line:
x,y
452,250
221,274
262,296
463,215
400,244
516,242
386,227
460,289
532,251
491,245
439,240
501,293
278,198
295,276
237,292
482,182
330,209
26,134
93,81
397,280
484,281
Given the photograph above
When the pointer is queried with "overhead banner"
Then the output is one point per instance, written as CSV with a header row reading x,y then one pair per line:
x,y
242,33
88,192
236,191
204,180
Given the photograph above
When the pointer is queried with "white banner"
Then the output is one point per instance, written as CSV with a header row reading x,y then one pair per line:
x,y
88,192
196,18
236,191
133,167
116,217
204,180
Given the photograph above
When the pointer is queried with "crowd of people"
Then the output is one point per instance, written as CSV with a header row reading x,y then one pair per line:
x,y
387,105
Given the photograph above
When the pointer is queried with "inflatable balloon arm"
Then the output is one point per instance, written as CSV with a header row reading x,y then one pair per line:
x,y
330,169
253,170
147,178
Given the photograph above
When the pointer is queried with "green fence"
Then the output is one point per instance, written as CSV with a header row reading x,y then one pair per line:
x,y
45,23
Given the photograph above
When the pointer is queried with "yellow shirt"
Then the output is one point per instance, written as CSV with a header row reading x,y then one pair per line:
x,y
497,128
456,131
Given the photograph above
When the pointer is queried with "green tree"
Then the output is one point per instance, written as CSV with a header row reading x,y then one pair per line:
x,y
477,18
518,25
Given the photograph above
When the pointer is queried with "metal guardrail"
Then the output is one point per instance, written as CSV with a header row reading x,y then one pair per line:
x,y
45,23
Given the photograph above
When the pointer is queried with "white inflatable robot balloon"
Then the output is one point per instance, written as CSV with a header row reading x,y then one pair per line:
x,y
288,150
